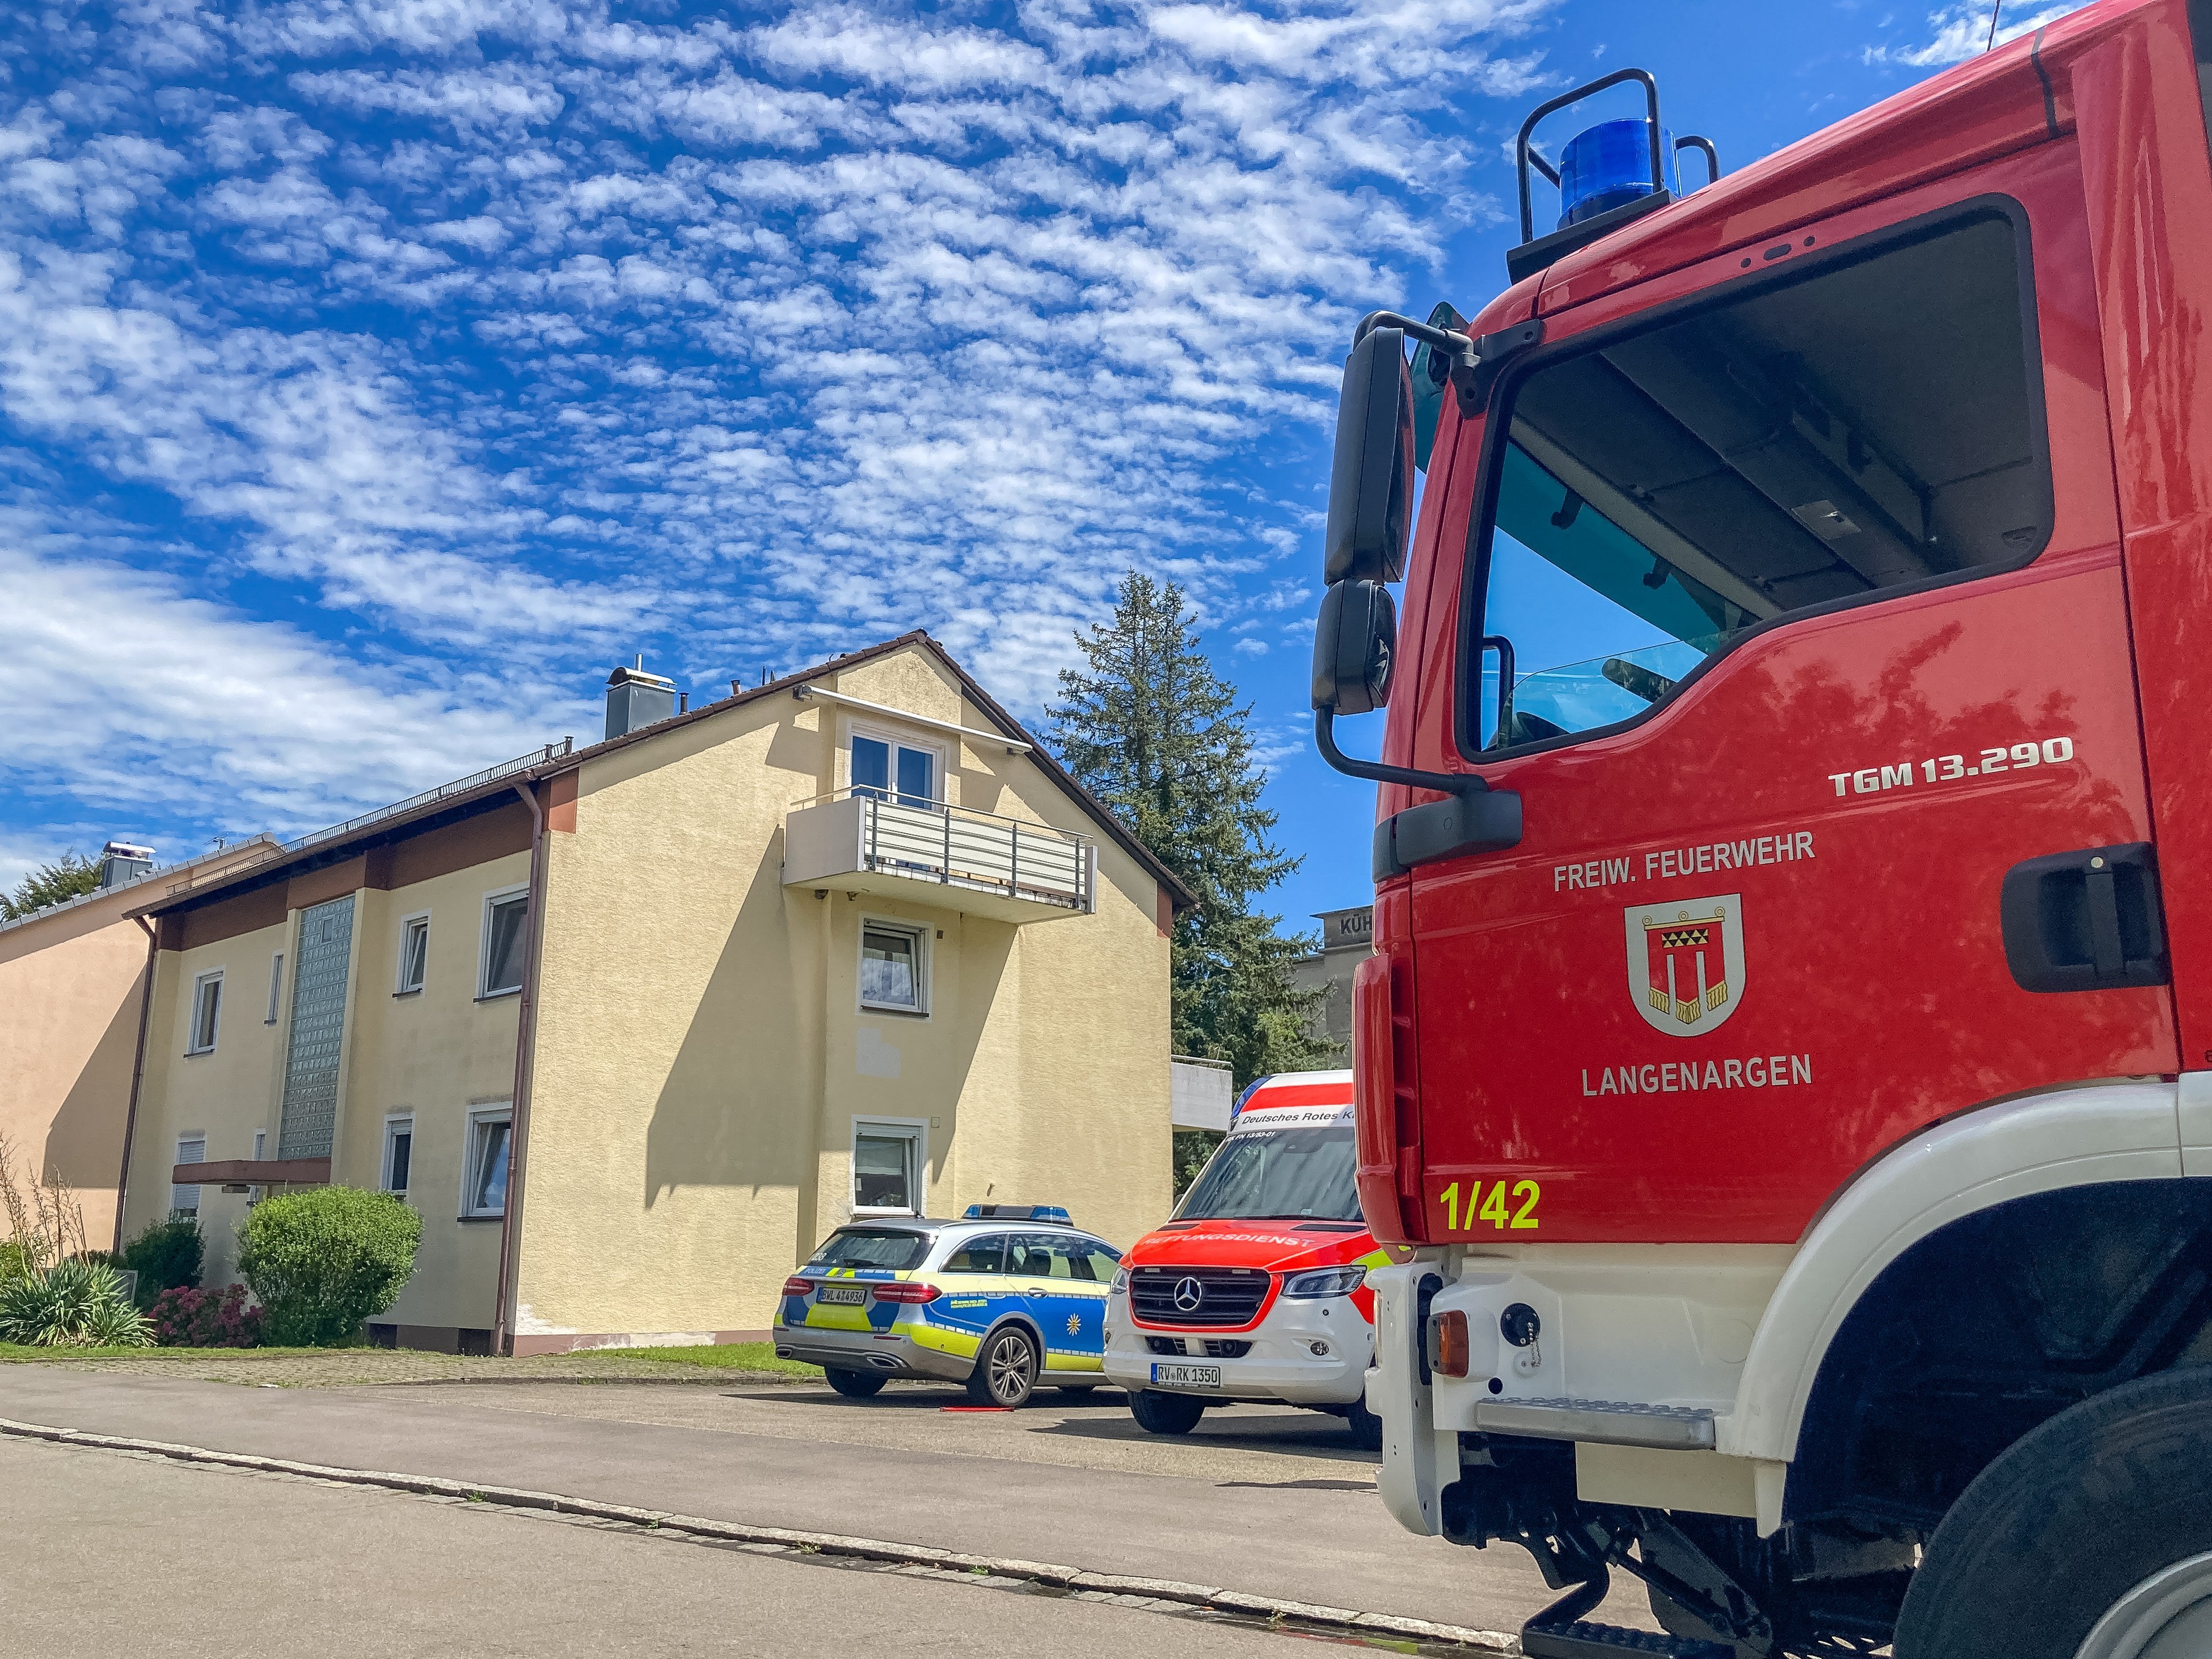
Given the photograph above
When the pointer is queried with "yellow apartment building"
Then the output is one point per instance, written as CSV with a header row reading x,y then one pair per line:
x,y
73,980
634,1026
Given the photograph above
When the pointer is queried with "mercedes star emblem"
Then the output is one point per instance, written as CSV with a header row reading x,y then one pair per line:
x,y
1188,1293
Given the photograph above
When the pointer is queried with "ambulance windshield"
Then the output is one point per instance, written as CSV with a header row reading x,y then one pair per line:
x,y
1864,426
1291,1175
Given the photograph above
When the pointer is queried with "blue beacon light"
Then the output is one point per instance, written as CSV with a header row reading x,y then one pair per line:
x,y
1609,166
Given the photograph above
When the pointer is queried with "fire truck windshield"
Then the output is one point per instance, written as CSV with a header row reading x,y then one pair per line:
x,y
1291,1175
1858,427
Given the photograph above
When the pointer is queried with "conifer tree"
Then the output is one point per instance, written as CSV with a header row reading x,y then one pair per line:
x,y
1148,727
66,878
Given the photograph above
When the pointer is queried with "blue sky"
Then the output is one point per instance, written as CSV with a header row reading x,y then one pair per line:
x,y
375,374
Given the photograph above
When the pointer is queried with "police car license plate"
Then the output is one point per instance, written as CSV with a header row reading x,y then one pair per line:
x,y
1186,1377
845,1293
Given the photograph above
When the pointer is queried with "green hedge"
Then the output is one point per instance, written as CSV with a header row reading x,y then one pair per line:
x,y
322,1261
166,1256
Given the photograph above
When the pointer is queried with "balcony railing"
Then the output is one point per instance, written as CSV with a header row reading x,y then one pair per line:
x,y
880,834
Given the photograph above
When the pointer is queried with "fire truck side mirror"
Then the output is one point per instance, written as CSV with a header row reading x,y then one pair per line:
x,y
1355,644
1371,486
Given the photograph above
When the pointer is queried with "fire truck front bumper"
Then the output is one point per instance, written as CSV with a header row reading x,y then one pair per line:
x,y
1305,1353
1632,1355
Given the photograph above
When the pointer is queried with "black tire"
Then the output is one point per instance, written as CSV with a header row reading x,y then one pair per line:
x,y
2066,1522
1005,1372
1165,1414
1366,1427
855,1385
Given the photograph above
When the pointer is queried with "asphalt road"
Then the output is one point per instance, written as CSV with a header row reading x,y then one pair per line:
x,y
104,1554
1271,1502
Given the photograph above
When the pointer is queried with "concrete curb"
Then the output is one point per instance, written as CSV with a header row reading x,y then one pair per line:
x,y
1300,1613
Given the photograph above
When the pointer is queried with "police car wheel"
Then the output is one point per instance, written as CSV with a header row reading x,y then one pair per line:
x,y
1165,1414
855,1385
1005,1369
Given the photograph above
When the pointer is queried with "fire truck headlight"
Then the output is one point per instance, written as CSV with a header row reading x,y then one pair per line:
x,y
1325,1281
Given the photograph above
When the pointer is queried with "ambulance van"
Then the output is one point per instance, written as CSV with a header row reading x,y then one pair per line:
x,y
1256,1290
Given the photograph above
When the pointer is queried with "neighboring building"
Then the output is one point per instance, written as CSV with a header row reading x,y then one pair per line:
x,y
848,943
1346,940
72,988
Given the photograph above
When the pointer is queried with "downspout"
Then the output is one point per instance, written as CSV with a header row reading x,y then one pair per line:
x,y
525,1049
137,1075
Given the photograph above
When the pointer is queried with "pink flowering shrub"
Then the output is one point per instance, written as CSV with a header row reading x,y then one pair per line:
x,y
187,1318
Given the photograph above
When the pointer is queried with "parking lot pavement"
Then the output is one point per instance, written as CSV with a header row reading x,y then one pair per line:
x,y
1273,1503
103,1553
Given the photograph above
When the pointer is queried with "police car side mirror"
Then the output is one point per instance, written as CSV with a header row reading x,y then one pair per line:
x,y
1371,486
1355,646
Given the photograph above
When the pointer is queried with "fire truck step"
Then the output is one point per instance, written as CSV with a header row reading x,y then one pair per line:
x,y
1581,1640
1603,1422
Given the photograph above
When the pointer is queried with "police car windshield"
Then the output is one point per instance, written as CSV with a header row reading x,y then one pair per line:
x,y
1298,1174
861,1246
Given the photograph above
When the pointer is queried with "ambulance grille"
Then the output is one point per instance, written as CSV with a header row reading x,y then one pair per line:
x,y
1216,1296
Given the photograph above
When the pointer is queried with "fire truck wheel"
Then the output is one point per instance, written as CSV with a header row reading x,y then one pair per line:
x,y
1005,1372
1366,1427
1165,1414
2090,1538
856,1385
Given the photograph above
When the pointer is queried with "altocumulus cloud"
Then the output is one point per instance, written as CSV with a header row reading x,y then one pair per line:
x,y
370,373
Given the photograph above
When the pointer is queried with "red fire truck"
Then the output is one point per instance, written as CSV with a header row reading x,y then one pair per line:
x,y
1787,1048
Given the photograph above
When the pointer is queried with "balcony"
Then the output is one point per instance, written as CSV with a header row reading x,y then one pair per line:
x,y
925,852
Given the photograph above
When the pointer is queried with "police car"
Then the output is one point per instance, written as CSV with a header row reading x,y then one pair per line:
x,y
1009,1298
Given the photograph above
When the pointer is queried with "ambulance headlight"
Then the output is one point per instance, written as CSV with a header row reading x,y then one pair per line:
x,y
1325,1281
1121,1284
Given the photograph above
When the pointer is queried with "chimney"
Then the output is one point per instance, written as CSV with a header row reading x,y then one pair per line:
x,y
121,861
635,698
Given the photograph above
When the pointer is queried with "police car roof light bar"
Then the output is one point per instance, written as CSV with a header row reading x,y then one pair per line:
x,y
1017,1213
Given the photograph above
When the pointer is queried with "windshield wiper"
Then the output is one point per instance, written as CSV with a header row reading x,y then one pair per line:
x,y
1636,679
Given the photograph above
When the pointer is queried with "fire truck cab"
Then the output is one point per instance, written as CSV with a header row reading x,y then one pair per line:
x,y
1788,1051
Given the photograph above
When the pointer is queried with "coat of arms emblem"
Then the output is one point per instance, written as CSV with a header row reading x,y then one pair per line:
x,y
1686,962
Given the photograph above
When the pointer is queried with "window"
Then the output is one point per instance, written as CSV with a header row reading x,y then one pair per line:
x,y
887,1165
868,1246
185,1200
483,1190
275,986
207,1012
986,1255
882,767
893,968
414,954
1860,429
260,1145
1299,1174
399,1156
506,934
1067,1257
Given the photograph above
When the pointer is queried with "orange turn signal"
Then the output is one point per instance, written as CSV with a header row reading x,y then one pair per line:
x,y
1447,1344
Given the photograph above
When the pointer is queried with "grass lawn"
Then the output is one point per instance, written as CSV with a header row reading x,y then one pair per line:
x,y
17,1350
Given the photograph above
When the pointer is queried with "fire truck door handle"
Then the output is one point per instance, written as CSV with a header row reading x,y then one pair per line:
x,y
2088,920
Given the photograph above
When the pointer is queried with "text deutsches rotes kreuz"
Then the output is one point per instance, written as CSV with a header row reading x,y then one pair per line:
x,y
1701,859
